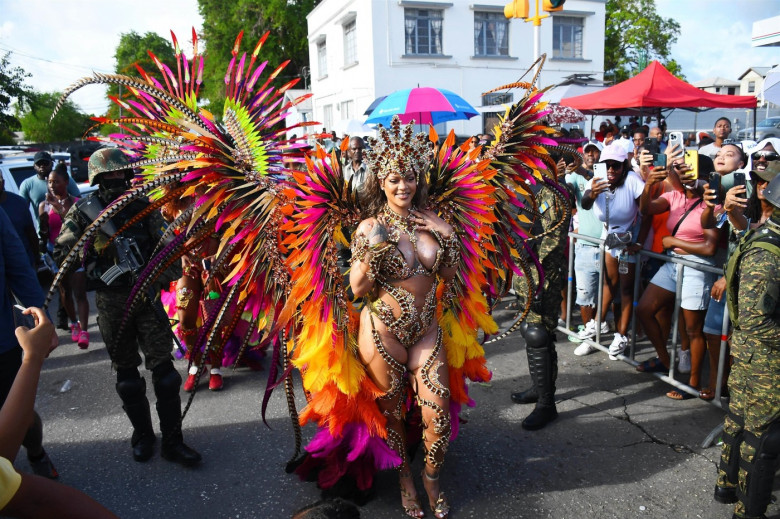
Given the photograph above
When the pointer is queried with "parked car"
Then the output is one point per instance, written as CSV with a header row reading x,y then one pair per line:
x,y
769,127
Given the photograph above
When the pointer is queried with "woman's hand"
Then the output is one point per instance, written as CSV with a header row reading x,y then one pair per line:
x,y
735,199
709,195
597,187
718,288
668,242
673,153
429,221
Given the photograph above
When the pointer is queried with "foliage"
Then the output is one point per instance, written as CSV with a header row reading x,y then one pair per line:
x,y
222,21
12,88
131,51
633,25
70,123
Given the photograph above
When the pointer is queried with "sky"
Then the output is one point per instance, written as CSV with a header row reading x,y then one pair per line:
x,y
60,41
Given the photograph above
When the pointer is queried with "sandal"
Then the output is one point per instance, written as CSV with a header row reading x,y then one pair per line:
x,y
440,509
678,395
409,502
707,394
653,365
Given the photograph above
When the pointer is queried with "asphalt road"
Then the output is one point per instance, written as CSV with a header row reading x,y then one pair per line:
x,y
620,448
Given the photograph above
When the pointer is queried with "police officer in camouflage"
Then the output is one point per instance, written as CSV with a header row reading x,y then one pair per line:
x,y
542,320
110,169
751,430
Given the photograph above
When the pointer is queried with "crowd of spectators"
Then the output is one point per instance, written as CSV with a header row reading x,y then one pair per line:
x,y
655,196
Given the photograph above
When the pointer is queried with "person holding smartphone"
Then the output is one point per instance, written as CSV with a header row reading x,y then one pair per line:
x,y
18,280
615,201
687,239
23,495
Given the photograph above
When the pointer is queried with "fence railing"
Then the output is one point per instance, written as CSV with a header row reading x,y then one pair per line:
x,y
681,265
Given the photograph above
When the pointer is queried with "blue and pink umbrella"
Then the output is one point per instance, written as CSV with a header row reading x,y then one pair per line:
x,y
424,105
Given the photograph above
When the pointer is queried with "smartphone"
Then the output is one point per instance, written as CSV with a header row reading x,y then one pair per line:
x,y
676,138
600,170
692,161
651,145
715,184
659,159
739,179
21,319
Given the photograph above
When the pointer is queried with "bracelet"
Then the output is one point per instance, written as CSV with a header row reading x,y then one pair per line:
x,y
359,249
451,248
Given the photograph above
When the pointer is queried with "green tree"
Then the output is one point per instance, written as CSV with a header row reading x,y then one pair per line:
x,y
12,89
69,124
634,25
222,21
131,51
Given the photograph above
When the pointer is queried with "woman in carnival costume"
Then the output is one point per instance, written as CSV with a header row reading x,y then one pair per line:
x,y
398,252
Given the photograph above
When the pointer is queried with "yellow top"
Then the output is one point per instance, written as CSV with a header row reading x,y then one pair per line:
x,y
9,482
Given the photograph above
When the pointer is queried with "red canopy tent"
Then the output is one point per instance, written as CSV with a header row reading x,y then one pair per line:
x,y
651,90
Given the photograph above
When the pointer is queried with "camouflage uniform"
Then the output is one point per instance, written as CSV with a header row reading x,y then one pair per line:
x,y
542,320
752,425
145,328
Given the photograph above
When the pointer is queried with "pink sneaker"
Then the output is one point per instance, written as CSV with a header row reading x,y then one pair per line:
x,y
75,330
83,340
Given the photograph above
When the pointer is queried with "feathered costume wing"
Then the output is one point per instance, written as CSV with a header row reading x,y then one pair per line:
x,y
233,177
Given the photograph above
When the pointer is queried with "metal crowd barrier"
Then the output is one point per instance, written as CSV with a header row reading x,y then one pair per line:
x,y
681,263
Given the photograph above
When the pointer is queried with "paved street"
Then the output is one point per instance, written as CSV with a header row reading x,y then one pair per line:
x,y
620,448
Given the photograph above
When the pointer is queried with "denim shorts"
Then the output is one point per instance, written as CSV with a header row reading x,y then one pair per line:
x,y
713,321
586,270
696,284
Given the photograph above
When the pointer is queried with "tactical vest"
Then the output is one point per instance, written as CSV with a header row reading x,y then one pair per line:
x,y
762,237
102,255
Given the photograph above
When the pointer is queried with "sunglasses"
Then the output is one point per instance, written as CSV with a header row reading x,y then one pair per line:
x,y
768,155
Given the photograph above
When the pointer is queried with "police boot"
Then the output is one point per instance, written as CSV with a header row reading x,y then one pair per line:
x,y
166,387
132,391
541,360
760,473
529,396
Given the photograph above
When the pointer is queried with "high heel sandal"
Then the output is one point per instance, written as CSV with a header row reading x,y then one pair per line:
x,y
413,509
440,509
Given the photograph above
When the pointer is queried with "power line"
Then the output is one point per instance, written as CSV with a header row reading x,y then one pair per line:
x,y
5,47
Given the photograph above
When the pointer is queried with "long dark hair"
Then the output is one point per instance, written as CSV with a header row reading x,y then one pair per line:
x,y
373,197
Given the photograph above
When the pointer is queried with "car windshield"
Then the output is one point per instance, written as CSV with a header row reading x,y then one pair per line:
x,y
768,123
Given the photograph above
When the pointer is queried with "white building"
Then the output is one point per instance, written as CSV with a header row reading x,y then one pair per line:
x,y
362,49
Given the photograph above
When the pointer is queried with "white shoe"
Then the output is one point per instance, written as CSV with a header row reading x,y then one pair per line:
x,y
589,330
561,323
685,361
584,349
618,346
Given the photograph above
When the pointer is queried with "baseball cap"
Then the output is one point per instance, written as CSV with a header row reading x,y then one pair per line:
x,y
594,144
613,152
41,155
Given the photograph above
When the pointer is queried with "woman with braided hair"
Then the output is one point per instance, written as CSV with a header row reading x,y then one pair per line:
x,y
398,252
